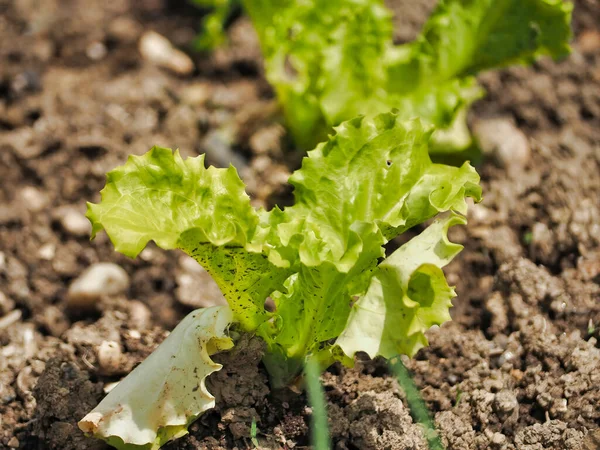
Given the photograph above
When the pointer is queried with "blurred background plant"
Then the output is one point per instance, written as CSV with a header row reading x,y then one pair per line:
x,y
218,15
331,61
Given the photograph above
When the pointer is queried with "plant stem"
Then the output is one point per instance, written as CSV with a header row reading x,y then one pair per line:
x,y
416,404
316,398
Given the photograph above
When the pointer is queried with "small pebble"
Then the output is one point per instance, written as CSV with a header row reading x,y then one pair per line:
x,y
267,140
139,315
135,334
75,223
47,252
157,50
96,51
498,439
270,305
109,357
198,290
29,347
25,382
479,213
24,142
501,139
98,280
10,318
26,81
34,199
196,94
190,265
218,146
147,254
505,357
589,266
505,402
559,407
14,442
54,320
110,386
589,41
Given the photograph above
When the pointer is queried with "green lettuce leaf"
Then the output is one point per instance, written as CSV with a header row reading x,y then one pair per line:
x,y
465,37
323,58
159,195
331,61
462,38
372,180
158,400
203,211
367,184
408,294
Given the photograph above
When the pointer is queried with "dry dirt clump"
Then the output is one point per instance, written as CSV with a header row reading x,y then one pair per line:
x,y
64,393
519,366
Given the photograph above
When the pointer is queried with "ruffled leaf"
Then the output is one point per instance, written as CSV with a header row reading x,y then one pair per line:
x,y
323,58
372,180
331,61
159,195
162,396
204,211
367,184
465,37
407,295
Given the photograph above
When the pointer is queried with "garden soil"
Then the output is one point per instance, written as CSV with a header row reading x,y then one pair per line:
x,y
519,366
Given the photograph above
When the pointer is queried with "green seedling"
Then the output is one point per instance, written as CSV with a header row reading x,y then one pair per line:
x,y
416,404
253,433
321,260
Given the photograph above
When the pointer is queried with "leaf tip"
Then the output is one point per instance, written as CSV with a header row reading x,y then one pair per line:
x,y
89,424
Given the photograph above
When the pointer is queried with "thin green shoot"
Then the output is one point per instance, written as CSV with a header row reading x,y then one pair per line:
x,y
591,328
316,398
253,431
458,397
416,404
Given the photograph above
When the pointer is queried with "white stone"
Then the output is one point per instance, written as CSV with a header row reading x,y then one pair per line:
x,y
109,357
34,199
47,252
75,223
501,139
157,50
96,281
96,51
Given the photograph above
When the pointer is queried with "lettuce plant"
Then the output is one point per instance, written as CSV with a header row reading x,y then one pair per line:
x,y
218,13
330,61
322,261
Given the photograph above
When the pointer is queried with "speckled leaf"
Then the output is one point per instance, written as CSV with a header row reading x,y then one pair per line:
x,y
368,183
203,211
162,396
246,279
